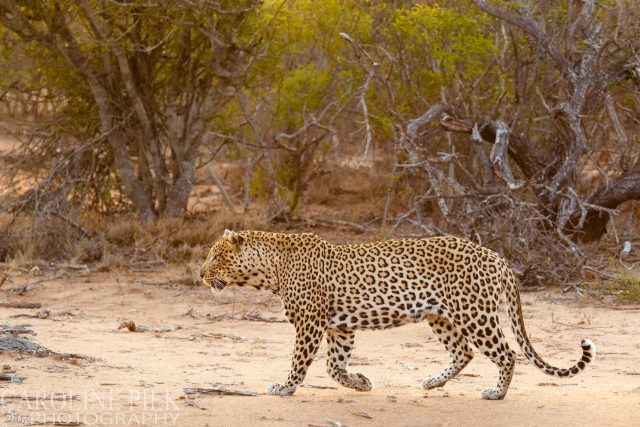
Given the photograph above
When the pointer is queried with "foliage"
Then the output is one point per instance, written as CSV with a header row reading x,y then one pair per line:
x,y
513,124
624,289
142,80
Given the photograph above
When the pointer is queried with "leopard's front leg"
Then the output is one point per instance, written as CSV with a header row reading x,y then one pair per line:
x,y
308,336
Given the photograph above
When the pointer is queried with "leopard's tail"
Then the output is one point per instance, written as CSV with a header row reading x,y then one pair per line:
x,y
514,308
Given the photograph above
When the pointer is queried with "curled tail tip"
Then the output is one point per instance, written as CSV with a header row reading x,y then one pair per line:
x,y
588,350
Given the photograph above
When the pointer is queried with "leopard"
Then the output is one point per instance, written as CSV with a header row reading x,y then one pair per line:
x,y
332,290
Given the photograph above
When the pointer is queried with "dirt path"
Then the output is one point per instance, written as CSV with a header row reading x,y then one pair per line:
x,y
138,378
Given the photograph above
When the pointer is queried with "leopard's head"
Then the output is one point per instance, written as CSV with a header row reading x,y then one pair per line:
x,y
225,262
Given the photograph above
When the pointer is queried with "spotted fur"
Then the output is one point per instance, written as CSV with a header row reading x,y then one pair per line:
x,y
333,290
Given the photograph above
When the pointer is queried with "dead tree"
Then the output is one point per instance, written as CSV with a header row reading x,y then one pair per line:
x,y
516,182
591,58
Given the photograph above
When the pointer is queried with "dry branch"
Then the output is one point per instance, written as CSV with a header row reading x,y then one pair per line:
x,y
17,330
218,391
499,156
132,327
14,344
13,378
53,397
319,387
530,159
30,286
26,305
256,317
431,114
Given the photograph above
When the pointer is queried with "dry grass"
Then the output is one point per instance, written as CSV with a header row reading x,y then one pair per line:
x,y
116,243
23,240
624,289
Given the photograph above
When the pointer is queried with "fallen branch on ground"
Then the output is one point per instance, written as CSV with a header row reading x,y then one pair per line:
x,y
331,423
10,342
20,304
40,314
254,317
30,286
15,344
159,282
186,281
59,397
13,378
219,391
219,336
17,330
132,327
57,423
320,387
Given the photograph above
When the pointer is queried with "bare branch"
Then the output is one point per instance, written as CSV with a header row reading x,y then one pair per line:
x,y
499,156
414,125
529,26
613,115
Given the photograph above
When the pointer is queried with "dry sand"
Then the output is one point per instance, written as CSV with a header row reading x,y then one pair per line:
x,y
138,378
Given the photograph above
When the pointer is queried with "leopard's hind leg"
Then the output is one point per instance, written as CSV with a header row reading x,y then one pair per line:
x,y
458,347
490,340
340,344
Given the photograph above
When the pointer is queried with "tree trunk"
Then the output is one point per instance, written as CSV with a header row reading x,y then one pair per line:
x,y
531,160
179,193
618,191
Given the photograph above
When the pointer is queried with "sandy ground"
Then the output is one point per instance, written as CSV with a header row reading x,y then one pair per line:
x,y
139,378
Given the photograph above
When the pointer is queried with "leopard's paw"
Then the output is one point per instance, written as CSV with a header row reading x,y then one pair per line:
x,y
279,390
362,383
493,393
431,383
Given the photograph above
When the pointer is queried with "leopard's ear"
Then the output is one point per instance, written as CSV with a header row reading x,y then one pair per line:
x,y
235,238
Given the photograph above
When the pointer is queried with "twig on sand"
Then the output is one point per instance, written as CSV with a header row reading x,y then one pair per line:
x,y
20,304
364,414
17,330
56,397
10,342
13,378
132,327
553,320
219,336
185,280
13,344
30,286
57,423
158,282
40,314
257,317
330,423
219,391
321,387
